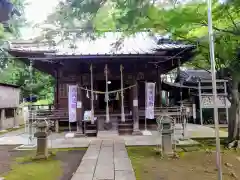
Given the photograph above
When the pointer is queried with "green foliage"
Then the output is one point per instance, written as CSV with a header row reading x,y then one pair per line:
x,y
12,31
18,73
183,21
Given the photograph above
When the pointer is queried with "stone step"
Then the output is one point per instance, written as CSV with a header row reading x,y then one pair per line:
x,y
91,131
107,134
126,120
125,124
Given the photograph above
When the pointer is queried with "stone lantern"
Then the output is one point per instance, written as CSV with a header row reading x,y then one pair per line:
x,y
42,139
166,130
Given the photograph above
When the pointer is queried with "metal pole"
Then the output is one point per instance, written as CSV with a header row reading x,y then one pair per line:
x,y
145,123
122,96
225,100
211,46
92,108
200,102
30,128
107,95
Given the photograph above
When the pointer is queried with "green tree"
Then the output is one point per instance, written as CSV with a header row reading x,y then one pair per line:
x,y
18,73
11,31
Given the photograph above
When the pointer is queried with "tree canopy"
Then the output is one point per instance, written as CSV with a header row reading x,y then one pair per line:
x,y
15,72
182,20
10,30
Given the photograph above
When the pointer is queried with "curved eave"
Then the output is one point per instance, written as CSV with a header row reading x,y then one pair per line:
x,y
47,61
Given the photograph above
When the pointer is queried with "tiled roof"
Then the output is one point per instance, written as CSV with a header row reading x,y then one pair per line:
x,y
108,44
194,75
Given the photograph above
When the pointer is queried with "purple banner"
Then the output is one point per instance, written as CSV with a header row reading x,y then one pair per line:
x,y
72,103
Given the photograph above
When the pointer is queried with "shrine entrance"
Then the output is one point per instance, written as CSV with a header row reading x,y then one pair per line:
x,y
114,98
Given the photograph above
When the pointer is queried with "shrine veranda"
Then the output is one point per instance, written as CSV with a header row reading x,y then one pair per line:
x,y
121,75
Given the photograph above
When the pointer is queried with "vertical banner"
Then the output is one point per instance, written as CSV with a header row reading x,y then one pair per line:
x,y
72,103
149,98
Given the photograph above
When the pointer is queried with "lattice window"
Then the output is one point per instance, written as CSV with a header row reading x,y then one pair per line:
x,y
63,90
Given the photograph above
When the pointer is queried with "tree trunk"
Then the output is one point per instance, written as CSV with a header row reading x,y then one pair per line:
x,y
234,115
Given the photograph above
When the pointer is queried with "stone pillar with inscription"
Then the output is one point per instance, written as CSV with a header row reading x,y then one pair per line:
x,y
135,112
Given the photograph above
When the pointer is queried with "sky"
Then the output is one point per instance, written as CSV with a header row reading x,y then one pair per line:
x,y
36,11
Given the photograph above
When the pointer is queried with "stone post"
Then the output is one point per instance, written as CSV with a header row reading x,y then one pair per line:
x,y
135,112
42,140
16,119
2,119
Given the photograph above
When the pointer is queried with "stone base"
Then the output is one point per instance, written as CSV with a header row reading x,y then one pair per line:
x,y
184,139
107,126
137,133
41,156
26,147
79,134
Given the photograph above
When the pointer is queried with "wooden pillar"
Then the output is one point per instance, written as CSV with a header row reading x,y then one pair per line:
x,y
107,94
56,102
79,109
135,112
159,88
122,96
92,96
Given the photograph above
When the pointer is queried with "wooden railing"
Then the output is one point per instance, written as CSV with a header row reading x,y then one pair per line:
x,y
175,112
41,107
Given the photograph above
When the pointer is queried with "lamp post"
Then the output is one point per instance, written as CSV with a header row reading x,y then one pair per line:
x,y
213,70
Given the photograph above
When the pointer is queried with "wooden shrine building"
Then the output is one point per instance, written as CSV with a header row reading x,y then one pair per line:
x,y
193,89
118,66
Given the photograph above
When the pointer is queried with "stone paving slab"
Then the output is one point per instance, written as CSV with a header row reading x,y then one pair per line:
x,y
58,140
87,166
104,172
122,164
124,175
82,176
105,160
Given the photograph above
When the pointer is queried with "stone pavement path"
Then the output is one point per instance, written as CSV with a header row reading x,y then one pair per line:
x,y
105,160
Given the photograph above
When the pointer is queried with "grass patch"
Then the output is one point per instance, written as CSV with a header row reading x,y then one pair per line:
x,y
192,164
27,168
210,142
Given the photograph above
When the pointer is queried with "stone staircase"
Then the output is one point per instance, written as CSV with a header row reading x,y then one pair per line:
x,y
125,128
91,129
